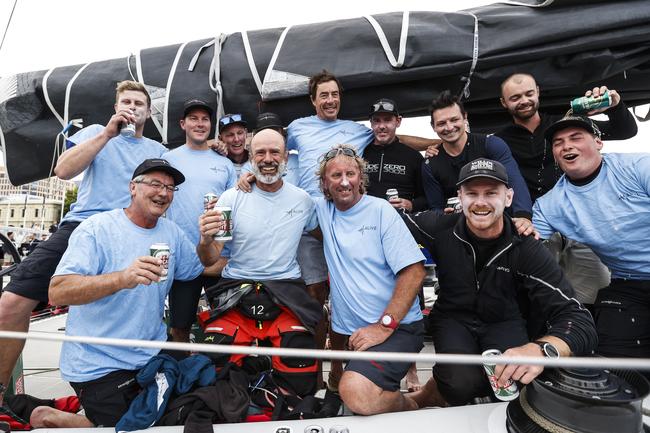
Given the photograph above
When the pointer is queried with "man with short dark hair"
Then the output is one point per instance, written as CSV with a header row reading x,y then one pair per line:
x,y
117,289
498,290
534,155
440,172
206,172
107,159
603,201
391,164
375,273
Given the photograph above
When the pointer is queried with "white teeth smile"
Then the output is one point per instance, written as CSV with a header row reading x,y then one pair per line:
x,y
570,156
481,213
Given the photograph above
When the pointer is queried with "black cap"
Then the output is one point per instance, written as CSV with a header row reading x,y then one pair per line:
x,y
196,103
483,167
159,164
568,121
384,105
231,119
268,120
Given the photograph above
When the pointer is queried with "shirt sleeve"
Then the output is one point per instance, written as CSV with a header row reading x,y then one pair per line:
x,y
432,189
400,249
420,201
84,135
82,257
312,222
540,222
498,150
188,265
620,126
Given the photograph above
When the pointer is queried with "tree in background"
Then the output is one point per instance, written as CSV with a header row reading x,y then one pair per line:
x,y
70,197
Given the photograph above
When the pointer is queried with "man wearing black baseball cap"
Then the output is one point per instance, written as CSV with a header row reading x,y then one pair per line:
x,y
603,201
115,280
207,172
498,290
392,164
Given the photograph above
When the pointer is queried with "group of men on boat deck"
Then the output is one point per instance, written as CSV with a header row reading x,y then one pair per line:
x,y
315,224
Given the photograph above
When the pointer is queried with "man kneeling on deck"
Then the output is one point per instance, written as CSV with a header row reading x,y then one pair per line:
x,y
376,273
261,295
498,290
116,289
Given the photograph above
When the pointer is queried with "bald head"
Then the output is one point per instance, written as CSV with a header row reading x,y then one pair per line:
x,y
518,78
268,137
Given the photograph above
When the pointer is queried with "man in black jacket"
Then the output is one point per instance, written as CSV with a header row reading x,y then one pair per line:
x,y
498,290
392,164
525,136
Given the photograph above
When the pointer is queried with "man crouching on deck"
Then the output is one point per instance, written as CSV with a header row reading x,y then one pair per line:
x,y
375,275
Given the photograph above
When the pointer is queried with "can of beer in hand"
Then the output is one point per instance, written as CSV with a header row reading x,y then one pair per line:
x,y
391,194
508,392
454,203
587,103
207,198
161,251
225,234
128,130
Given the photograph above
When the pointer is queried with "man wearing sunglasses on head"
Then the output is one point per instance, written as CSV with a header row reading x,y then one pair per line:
x,y
107,155
376,273
233,132
206,171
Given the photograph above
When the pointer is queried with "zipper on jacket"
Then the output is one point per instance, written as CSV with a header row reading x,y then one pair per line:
x,y
474,260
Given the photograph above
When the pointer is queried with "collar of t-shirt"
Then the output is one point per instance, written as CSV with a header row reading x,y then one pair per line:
x,y
585,180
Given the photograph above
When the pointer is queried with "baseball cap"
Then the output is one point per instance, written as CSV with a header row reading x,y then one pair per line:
x,y
483,167
268,120
568,121
159,164
384,105
231,119
196,103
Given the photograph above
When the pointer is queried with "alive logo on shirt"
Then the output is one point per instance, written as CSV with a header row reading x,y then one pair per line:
x,y
363,229
294,211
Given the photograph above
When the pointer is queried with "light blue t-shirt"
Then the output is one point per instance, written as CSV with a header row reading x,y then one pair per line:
x,y
291,174
611,214
312,137
105,184
110,242
365,247
205,171
266,231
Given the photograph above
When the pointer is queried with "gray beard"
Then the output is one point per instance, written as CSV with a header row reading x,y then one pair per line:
x,y
269,178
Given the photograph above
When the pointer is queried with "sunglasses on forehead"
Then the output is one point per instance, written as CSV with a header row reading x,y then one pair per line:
x,y
347,151
384,106
227,120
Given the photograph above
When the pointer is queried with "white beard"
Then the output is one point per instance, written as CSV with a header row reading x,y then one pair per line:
x,y
269,178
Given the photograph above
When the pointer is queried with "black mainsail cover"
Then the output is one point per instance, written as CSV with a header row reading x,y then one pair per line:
x,y
568,45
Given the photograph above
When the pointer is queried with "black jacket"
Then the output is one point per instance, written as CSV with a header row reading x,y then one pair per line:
x,y
535,156
522,280
395,166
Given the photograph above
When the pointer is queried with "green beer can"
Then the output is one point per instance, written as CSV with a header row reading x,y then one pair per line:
x,y
508,392
224,234
587,103
161,251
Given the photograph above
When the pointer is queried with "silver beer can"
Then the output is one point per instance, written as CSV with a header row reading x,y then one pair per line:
x,y
454,203
161,251
207,198
510,391
128,130
391,193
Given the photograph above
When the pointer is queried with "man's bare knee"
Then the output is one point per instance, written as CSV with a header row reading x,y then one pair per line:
x,y
358,393
15,311
45,416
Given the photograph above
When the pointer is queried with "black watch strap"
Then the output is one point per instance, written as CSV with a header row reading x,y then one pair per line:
x,y
548,349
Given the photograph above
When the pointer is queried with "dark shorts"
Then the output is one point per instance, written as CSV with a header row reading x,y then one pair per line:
x,y
106,399
31,279
388,374
459,384
622,316
184,299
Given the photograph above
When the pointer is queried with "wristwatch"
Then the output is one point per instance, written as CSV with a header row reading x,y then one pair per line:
x,y
387,320
548,349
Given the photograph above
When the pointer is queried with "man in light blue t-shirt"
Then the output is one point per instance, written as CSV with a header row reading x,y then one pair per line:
x,y
261,295
107,158
376,271
603,201
206,171
116,289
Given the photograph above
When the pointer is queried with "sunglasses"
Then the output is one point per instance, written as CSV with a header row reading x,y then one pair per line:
x,y
347,151
384,106
227,120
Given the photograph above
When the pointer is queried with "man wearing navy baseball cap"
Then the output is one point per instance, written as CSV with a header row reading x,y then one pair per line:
x,y
603,201
498,290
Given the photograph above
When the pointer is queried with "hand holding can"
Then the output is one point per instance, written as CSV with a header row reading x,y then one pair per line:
x,y
455,204
161,251
225,232
510,391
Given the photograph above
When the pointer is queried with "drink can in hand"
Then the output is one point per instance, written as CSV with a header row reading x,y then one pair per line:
x,y
454,203
225,234
161,251
207,198
392,194
508,392
587,103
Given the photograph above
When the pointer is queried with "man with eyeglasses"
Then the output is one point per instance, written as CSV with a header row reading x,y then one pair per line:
x,y
390,163
440,172
376,273
107,158
261,296
115,289
233,132
206,171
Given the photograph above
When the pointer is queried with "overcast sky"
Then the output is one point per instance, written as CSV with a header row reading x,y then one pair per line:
x,y
48,33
